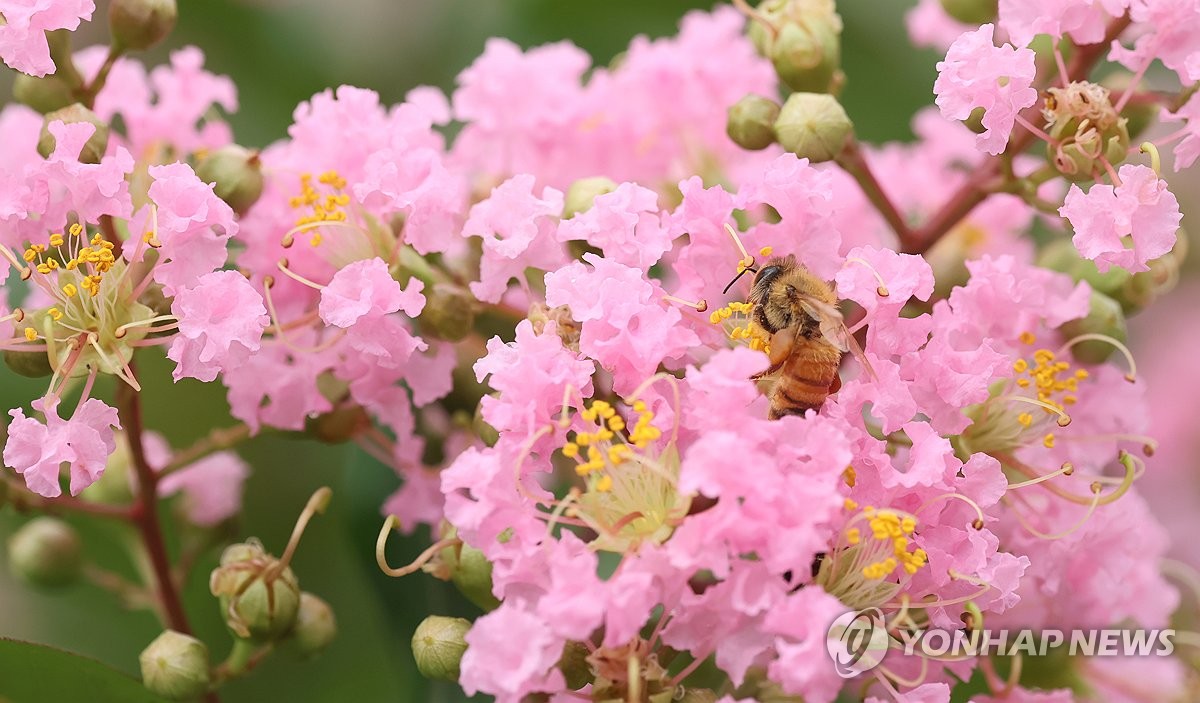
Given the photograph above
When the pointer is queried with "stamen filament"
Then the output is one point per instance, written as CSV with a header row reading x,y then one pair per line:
x,y
747,260
977,524
1053,537
1155,159
1116,343
1063,418
119,332
423,558
700,305
882,290
283,266
1066,470
317,503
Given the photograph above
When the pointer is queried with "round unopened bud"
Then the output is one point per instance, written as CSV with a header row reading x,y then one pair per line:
x,y
751,122
30,364
140,24
473,577
971,11
1061,255
1104,317
583,192
813,126
46,552
93,149
315,627
175,666
339,425
259,600
438,646
236,175
574,665
803,43
46,94
449,312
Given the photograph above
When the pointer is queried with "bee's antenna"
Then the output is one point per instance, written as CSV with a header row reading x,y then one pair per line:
x,y
741,273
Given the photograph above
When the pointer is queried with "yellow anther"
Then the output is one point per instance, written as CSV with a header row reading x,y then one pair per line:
x,y
1021,366
30,334
29,255
56,240
76,230
1025,419
1048,440
617,453
604,483
853,535
55,314
1027,338
765,251
570,450
908,525
616,423
70,290
43,268
850,504
639,406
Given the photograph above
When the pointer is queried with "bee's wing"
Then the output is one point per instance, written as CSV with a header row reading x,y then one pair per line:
x,y
833,328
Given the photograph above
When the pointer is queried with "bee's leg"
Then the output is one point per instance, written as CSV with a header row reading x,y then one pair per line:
x,y
781,349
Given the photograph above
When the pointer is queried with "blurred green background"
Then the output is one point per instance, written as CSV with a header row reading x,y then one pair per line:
x,y
280,52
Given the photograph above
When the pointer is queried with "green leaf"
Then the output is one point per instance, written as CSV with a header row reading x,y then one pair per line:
x,y
32,672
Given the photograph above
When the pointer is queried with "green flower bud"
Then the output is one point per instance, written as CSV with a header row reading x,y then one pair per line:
x,y
971,11
449,312
813,126
315,627
236,175
46,552
1145,287
574,665
473,577
259,596
1061,255
46,94
175,666
113,487
140,24
1085,128
30,364
582,193
339,425
803,43
438,646
93,149
1104,317
751,122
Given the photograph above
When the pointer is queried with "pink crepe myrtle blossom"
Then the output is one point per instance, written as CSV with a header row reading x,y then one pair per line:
x,y
1085,21
221,322
211,487
1171,28
1188,148
37,450
978,74
23,44
1126,226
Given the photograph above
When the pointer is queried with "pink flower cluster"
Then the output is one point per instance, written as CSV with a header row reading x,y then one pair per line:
x,y
622,477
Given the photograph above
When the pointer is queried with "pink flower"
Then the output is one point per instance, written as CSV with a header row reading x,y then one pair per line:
x,y
1084,20
977,73
929,25
517,228
277,388
365,291
1140,208
493,665
1172,30
801,624
625,224
22,36
193,227
221,322
1188,149
626,325
211,487
531,374
38,450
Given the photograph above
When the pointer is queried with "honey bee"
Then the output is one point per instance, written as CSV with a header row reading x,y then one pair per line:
x,y
807,336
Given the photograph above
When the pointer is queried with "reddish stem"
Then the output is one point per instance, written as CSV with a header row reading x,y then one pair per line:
x,y
145,513
854,163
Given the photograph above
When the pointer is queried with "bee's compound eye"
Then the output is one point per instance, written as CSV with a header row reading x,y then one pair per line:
x,y
766,273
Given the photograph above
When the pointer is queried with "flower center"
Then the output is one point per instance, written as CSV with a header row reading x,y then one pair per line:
x,y
873,546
